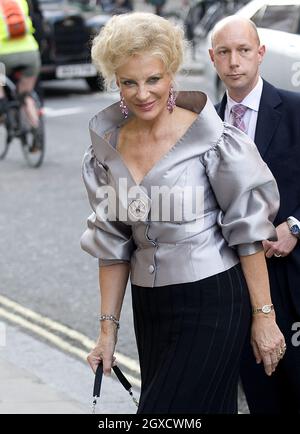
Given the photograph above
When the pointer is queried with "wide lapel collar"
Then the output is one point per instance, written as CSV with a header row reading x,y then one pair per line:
x,y
268,119
202,135
100,126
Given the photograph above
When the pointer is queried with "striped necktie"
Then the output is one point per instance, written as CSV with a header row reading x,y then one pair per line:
x,y
238,111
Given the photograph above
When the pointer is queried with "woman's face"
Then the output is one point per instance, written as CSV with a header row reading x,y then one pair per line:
x,y
145,85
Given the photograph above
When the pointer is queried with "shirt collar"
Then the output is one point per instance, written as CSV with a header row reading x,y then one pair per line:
x,y
252,100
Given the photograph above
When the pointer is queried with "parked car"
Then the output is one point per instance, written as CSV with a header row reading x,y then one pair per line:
x,y
68,28
278,23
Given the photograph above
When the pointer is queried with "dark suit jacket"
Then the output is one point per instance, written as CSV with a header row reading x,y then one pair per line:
x,y
277,138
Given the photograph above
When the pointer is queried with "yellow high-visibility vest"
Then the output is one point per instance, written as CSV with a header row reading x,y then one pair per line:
x,y
17,45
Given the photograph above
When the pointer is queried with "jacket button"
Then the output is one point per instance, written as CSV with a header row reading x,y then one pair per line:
x,y
151,268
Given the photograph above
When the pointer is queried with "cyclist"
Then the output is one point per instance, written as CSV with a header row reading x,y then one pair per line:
x,y
19,49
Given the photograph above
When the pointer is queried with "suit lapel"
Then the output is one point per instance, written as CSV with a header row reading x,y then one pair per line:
x,y
268,119
220,108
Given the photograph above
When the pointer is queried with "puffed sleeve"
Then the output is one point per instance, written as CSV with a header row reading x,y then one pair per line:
x,y
109,241
245,189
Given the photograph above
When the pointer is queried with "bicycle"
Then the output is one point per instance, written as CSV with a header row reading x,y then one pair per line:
x,y
15,125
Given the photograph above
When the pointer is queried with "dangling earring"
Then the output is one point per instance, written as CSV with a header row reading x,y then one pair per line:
x,y
123,107
171,100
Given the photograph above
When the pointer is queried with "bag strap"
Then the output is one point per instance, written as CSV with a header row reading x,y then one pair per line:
x,y
98,380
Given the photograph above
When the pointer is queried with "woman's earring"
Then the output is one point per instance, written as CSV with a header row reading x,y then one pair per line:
x,y
123,107
171,100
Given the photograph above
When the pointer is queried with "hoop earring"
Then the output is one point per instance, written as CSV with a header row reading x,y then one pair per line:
x,y
171,100
123,107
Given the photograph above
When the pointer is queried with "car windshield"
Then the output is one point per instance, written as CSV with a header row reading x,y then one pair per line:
x,y
285,18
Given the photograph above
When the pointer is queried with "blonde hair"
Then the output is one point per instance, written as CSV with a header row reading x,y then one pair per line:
x,y
134,33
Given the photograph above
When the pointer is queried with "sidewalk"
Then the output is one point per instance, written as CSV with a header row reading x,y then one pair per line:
x,y
22,392
39,379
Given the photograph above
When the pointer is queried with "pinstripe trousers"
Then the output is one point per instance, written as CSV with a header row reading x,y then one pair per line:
x,y
189,338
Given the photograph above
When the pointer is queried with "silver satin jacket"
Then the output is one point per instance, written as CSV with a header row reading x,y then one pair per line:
x,y
238,199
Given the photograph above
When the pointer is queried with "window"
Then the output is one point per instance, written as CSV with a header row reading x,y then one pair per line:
x,y
284,18
257,17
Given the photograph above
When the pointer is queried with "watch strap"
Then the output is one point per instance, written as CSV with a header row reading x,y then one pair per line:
x,y
269,308
294,226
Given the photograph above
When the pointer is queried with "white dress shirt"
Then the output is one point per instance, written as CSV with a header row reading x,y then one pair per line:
x,y
251,101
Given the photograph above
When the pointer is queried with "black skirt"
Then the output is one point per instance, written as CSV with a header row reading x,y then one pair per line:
x,y
189,338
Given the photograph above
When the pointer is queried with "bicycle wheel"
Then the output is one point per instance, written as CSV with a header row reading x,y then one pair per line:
x,y
33,139
4,142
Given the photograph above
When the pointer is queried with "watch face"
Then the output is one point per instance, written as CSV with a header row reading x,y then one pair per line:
x,y
295,230
266,309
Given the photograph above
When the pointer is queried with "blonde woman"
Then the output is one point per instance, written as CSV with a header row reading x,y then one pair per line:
x,y
194,275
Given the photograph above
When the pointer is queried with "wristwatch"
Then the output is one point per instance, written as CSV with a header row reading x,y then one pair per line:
x,y
294,226
267,308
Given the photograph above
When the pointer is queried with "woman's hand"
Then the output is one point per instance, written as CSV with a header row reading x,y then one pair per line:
x,y
267,341
104,349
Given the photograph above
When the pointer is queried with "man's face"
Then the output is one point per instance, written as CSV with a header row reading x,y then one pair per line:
x,y
236,55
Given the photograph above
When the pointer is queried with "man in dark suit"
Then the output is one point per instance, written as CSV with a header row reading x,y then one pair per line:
x,y
271,117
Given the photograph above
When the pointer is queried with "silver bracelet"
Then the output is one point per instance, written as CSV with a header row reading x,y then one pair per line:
x,y
110,318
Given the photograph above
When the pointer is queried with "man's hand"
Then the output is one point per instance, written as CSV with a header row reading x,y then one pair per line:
x,y
285,244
